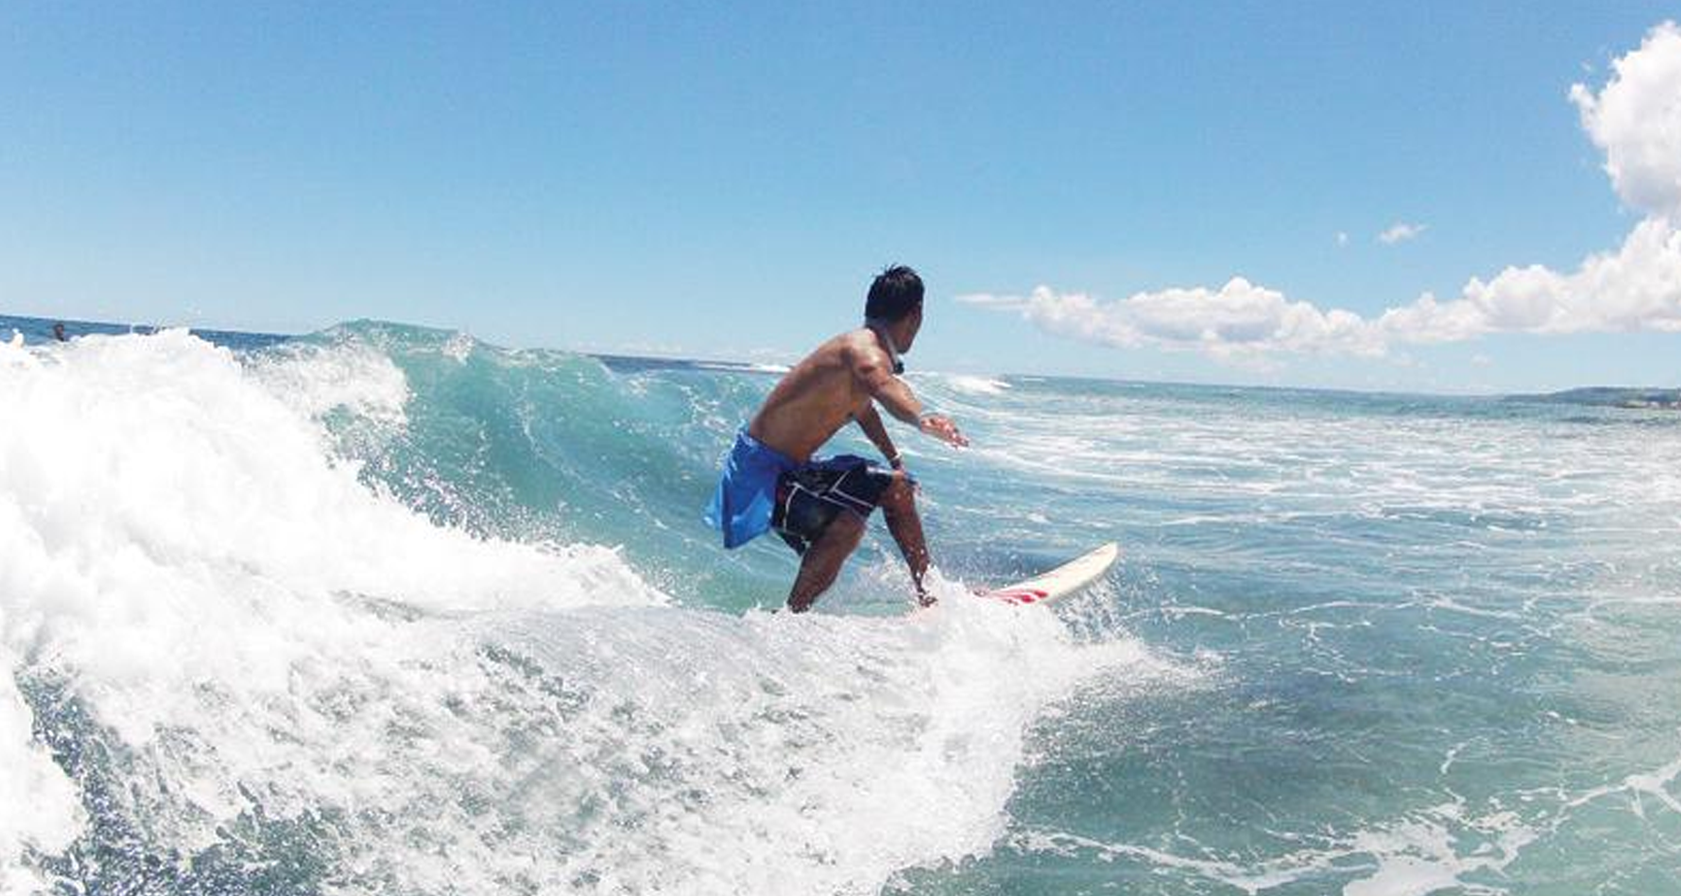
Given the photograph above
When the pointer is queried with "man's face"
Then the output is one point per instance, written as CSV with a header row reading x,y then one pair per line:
x,y
913,323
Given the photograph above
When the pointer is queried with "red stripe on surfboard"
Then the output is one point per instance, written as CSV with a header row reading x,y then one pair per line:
x,y
1018,595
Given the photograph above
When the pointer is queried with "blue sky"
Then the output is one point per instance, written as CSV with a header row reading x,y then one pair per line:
x,y
724,182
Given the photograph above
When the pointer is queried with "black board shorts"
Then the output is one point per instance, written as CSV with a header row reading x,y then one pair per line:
x,y
809,498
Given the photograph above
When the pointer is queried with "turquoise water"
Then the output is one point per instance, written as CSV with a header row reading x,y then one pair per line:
x,y
385,609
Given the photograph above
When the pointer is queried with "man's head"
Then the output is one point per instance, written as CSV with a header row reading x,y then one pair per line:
x,y
895,303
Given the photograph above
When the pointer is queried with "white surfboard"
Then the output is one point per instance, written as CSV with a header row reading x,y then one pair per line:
x,y
1060,582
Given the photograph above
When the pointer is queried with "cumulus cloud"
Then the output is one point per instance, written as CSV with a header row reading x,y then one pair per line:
x,y
1635,119
1400,232
1239,321
1636,287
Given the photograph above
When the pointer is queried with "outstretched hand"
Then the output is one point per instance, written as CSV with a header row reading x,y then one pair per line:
x,y
940,427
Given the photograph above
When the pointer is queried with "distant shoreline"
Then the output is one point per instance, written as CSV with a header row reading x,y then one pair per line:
x,y
1631,397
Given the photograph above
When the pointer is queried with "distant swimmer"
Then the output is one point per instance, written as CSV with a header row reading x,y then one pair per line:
x,y
58,333
819,506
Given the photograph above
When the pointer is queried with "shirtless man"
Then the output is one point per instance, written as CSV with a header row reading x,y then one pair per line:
x,y
819,507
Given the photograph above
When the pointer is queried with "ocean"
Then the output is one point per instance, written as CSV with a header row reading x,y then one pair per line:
x,y
385,609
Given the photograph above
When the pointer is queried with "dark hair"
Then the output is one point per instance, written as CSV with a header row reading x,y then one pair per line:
x,y
895,293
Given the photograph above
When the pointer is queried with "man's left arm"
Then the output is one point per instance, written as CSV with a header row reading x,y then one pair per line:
x,y
870,422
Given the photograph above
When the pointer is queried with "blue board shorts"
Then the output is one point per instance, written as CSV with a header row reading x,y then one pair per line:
x,y
763,489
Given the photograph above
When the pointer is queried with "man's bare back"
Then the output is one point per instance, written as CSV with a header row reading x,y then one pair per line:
x,y
822,393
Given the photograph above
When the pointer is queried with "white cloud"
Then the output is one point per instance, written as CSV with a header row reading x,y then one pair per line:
x,y
988,300
1635,118
1400,232
1239,321
1637,287
1342,238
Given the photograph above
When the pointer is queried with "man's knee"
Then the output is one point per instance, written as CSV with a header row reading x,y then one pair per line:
x,y
900,497
847,529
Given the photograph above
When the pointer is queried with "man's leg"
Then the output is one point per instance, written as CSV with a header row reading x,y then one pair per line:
x,y
822,561
898,504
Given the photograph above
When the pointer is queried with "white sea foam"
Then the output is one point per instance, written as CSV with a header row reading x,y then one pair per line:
x,y
38,806
458,348
258,638
976,385
1652,785
1427,852
315,378
172,529
823,755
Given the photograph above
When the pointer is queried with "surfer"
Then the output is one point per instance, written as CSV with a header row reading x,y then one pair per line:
x,y
819,506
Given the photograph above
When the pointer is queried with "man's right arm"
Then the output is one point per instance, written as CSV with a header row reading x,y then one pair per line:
x,y
874,370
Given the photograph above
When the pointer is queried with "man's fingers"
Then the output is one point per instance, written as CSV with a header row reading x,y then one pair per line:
x,y
954,435
945,430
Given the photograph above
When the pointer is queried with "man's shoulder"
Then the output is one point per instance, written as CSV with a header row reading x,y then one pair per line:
x,y
858,344
841,351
